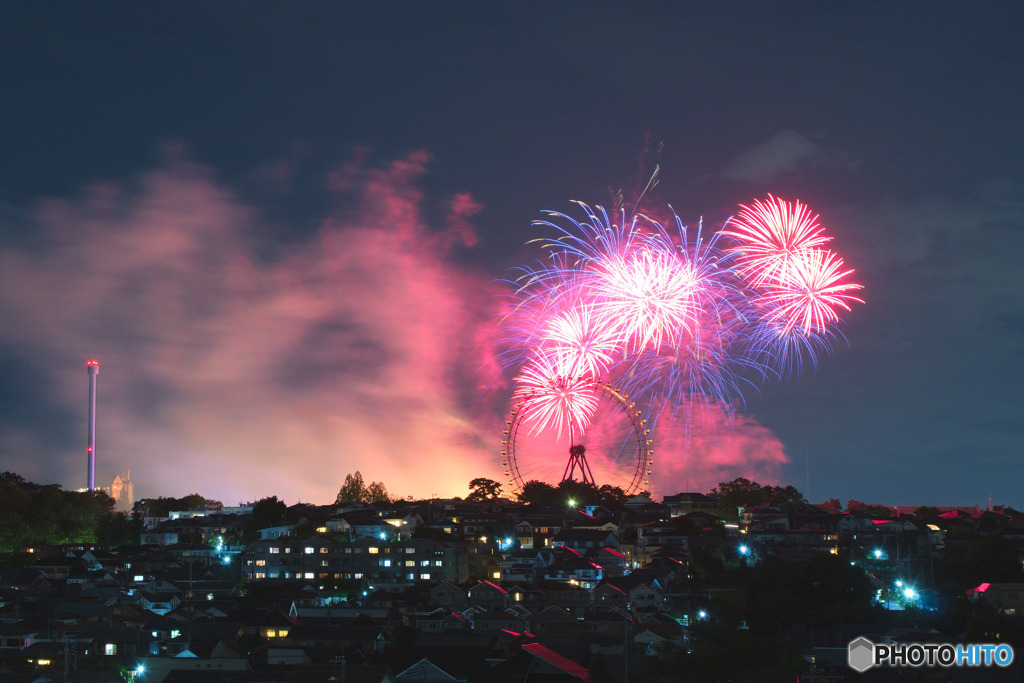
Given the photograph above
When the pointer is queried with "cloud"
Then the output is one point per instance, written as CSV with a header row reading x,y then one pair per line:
x,y
694,457
786,152
233,373
240,377
714,449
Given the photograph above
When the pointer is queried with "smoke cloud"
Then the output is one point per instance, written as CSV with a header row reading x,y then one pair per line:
x,y
239,366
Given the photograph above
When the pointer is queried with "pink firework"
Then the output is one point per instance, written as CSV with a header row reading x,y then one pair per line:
x,y
808,297
579,344
771,235
555,400
647,294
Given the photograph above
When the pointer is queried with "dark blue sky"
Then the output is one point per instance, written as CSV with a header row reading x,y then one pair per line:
x,y
899,123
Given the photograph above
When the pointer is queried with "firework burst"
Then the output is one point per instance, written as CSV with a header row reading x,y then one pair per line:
x,y
675,317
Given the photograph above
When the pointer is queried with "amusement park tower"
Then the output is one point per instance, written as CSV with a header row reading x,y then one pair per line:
x,y
93,367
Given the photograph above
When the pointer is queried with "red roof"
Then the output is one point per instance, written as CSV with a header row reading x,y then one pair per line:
x,y
558,661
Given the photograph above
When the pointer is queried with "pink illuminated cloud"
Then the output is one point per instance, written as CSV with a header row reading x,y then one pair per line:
x,y
241,376
240,367
718,448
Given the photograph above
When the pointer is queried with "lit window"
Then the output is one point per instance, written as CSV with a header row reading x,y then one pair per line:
x,y
308,575
425,563
410,563
425,577
496,575
274,550
309,550
271,633
357,575
410,550
175,633
282,633
43,662
385,563
261,563
323,563
410,576
110,649
437,563
372,550
287,550
260,575
323,551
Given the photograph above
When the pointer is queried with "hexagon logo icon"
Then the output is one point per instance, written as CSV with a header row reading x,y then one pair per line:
x,y
861,655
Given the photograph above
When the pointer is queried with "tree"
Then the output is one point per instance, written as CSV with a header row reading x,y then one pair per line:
x,y
119,528
482,489
161,507
538,493
266,512
614,493
741,492
577,491
353,490
832,505
871,509
375,493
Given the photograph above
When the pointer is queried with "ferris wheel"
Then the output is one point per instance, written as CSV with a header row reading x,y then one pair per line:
x,y
616,445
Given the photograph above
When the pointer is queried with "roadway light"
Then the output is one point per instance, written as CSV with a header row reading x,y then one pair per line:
x,y
744,550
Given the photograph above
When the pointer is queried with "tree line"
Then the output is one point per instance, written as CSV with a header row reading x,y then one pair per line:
x,y
33,513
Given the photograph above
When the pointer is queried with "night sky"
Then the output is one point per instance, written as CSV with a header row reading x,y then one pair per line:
x,y
282,229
